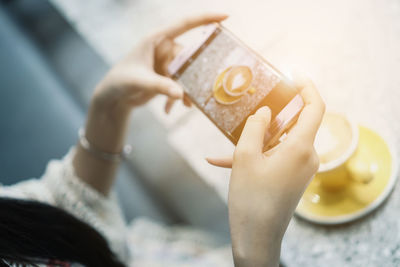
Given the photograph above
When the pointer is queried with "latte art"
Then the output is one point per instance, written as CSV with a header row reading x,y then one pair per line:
x,y
334,137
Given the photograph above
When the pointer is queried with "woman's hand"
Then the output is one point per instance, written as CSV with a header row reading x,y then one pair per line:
x,y
142,74
265,187
132,82
136,79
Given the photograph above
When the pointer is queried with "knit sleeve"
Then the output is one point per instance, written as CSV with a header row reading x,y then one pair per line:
x,y
60,186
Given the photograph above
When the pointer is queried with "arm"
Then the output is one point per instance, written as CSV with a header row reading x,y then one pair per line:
x,y
265,187
130,83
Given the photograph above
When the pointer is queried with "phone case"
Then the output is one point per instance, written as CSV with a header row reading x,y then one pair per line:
x,y
228,82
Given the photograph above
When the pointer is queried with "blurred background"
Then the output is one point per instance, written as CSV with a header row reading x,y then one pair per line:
x,y
53,52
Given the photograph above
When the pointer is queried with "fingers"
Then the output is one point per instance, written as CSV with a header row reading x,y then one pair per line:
x,y
166,86
163,55
221,162
252,137
168,106
186,101
311,116
165,52
191,22
171,101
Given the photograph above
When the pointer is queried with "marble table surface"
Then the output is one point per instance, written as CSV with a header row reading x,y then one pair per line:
x,y
349,48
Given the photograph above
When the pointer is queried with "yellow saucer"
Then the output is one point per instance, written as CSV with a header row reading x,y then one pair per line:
x,y
356,199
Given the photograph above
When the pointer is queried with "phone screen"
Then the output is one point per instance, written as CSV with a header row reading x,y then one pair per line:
x,y
228,82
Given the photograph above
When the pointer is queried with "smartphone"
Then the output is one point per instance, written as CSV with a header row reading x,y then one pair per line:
x,y
228,82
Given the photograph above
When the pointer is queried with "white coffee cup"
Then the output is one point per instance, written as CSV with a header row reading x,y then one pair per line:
x,y
337,138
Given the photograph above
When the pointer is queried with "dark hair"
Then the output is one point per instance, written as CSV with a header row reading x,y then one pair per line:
x,y
32,232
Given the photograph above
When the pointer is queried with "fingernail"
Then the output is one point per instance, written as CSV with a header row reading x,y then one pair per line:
x,y
176,92
263,110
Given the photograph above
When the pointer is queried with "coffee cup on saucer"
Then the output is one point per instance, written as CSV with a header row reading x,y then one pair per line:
x,y
358,170
336,142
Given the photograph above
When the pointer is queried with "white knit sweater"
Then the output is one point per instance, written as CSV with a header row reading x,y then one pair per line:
x,y
158,245
59,186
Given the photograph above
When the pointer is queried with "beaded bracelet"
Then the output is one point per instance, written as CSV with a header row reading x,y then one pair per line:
x,y
114,157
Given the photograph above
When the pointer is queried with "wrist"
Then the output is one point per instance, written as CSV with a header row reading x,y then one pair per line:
x,y
257,232
106,126
110,99
260,260
258,248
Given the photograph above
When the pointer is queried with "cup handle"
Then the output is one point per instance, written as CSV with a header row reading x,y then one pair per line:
x,y
360,171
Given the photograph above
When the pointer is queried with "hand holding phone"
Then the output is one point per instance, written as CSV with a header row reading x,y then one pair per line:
x,y
265,188
228,82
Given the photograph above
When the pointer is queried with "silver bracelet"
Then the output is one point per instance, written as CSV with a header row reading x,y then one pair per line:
x,y
114,157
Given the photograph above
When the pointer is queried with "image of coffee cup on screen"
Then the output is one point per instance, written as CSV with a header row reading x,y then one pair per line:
x,y
232,83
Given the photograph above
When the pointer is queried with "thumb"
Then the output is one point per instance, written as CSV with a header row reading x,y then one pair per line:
x,y
166,86
252,137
